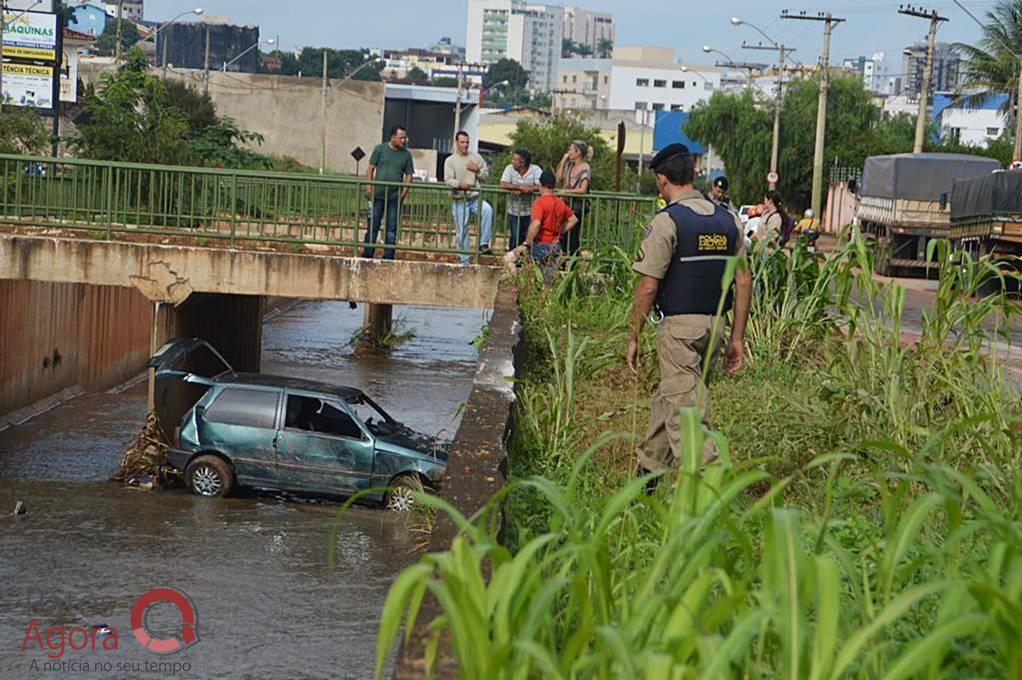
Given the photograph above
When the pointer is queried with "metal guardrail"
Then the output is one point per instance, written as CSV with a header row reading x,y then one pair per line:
x,y
236,206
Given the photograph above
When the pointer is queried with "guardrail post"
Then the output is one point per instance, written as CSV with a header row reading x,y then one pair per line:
x,y
109,182
234,206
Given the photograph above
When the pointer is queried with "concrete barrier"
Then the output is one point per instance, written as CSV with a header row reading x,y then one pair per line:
x,y
477,459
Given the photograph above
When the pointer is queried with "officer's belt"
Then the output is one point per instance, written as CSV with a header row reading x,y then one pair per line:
x,y
705,258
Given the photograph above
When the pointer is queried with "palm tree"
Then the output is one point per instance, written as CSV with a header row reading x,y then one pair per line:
x,y
604,48
991,66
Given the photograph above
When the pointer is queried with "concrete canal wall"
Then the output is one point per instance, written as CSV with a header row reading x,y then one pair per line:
x,y
475,468
59,336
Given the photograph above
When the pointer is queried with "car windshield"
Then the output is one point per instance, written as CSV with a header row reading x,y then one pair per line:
x,y
374,417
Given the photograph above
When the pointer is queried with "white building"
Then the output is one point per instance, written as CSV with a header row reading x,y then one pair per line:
x,y
637,78
131,10
971,125
648,79
529,33
595,30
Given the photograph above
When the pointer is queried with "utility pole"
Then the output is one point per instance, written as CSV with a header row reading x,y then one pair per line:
x,y
821,108
1017,153
924,87
457,104
164,54
205,66
775,146
120,16
322,141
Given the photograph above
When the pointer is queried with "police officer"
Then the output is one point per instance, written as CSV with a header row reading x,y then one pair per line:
x,y
718,193
683,259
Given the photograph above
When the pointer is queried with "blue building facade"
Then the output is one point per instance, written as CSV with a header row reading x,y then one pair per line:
x,y
89,19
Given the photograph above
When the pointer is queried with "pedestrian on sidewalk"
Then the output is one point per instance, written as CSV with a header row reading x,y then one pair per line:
x,y
463,171
683,258
777,225
552,218
521,178
575,176
390,162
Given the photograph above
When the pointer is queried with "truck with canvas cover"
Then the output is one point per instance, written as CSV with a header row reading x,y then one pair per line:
x,y
986,216
905,203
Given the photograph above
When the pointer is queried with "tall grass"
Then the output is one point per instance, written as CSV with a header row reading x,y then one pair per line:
x,y
865,519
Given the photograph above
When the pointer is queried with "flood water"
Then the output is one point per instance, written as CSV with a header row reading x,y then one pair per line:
x,y
255,566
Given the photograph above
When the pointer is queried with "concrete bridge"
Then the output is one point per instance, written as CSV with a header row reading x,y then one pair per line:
x,y
206,247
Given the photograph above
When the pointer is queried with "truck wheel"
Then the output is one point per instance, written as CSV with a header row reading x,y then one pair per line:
x,y
209,476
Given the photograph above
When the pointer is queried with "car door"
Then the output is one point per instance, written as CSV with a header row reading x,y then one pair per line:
x,y
321,446
241,423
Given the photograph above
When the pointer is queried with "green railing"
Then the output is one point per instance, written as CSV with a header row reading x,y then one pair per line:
x,y
232,207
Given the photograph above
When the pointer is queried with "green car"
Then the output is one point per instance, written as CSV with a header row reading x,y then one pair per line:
x,y
272,432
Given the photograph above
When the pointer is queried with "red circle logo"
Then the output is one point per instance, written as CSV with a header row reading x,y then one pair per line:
x,y
189,620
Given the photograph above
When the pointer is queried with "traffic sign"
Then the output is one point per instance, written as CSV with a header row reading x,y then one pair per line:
x,y
772,177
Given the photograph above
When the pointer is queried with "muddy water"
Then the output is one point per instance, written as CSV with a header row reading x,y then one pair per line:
x,y
269,603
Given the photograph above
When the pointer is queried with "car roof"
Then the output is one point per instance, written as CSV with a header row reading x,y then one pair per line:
x,y
264,380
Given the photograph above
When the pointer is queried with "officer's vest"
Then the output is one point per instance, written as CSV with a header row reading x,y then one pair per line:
x,y
692,284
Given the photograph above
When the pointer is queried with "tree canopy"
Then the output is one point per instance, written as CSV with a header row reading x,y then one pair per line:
x,y
506,69
989,66
106,43
741,130
340,63
548,137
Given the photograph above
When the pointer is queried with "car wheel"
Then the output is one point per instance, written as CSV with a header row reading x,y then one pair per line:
x,y
401,496
209,476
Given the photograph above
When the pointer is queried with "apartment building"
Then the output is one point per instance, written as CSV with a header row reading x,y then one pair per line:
x,y
593,30
529,33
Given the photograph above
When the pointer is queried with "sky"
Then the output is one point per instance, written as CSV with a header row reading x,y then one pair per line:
x,y
872,25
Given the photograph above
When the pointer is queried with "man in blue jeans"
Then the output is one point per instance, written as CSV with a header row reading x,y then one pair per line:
x,y
463,172
390,162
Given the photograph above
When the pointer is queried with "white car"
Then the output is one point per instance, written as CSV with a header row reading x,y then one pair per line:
x,y
743,212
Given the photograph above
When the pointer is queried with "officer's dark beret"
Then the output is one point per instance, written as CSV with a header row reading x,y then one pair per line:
x,y
722,183
667,153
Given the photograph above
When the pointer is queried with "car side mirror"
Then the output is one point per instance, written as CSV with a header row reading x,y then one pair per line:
x,y
200,412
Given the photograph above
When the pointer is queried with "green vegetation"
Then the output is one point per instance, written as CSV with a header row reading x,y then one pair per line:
x,y
106,43
137,117
989,66
864,520
340,63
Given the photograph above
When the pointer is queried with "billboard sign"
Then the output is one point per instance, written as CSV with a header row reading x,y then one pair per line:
x,y
28,85
31,36
34,5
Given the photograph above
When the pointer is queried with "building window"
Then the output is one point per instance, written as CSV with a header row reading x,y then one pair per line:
x,y
604,80
658,107
642,82
678,84
574,79
677,107
707,85
993,132
640,106
659,83
564,79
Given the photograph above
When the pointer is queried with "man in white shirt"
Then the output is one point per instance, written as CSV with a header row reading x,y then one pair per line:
x,y
463,172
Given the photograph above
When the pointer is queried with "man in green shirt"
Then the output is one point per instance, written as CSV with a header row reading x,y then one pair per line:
x,y
390,162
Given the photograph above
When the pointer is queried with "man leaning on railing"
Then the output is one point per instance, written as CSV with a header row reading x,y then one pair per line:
x,y
462,172
390,162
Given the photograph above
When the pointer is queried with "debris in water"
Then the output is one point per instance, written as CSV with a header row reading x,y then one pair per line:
x,y
145,464
19,508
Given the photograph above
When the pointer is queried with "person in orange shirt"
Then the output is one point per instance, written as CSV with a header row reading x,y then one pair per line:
x,y
551,219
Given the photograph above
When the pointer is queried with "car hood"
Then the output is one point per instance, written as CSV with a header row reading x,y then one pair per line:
x,y
407,438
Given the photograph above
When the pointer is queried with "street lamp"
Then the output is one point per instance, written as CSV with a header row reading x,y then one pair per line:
x,y
708,49
484,90
271,41
735,21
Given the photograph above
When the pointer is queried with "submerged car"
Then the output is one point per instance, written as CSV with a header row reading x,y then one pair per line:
x,y
255,430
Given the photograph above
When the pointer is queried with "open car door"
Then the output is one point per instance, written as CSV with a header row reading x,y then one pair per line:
x,y
180,373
